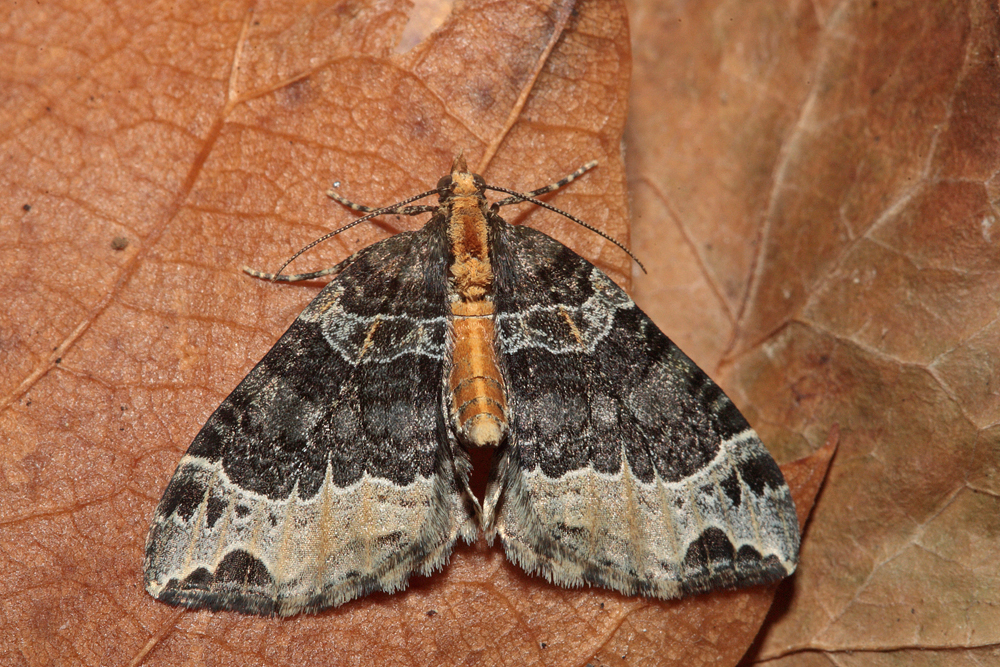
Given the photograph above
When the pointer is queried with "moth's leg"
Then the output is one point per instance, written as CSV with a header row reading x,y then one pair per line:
x,y
348,203
516,197
402,210
562,182
411,210
298,277
293,278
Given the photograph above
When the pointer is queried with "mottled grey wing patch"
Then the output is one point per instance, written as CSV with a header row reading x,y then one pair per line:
x,y
329,472
626,466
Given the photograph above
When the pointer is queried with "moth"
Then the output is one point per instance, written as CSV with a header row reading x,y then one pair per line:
x,y
339,466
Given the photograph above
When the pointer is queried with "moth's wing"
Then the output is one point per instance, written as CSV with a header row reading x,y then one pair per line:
x,y
327,473
626,466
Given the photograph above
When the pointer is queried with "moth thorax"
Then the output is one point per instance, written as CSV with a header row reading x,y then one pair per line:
x,y
468,236
478,404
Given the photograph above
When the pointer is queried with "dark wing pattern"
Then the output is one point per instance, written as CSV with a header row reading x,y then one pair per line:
x,y
328,473
626,466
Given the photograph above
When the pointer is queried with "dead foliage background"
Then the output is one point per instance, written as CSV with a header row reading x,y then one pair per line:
x,y
813,188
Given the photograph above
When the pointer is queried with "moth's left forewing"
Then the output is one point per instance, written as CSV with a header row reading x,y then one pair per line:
x,y
328,473
625,466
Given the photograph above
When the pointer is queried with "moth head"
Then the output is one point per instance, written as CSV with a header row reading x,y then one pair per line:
x,y
460,183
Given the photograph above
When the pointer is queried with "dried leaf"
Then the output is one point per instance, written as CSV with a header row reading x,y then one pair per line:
x,y
206,136
824,177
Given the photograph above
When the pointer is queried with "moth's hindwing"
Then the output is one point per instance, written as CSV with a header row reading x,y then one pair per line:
x,y
327,473
626,466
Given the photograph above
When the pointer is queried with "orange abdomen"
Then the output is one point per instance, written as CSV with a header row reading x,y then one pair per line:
x,y
479,407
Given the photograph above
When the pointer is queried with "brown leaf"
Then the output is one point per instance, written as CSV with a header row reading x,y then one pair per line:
x,y
158,150
824,179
